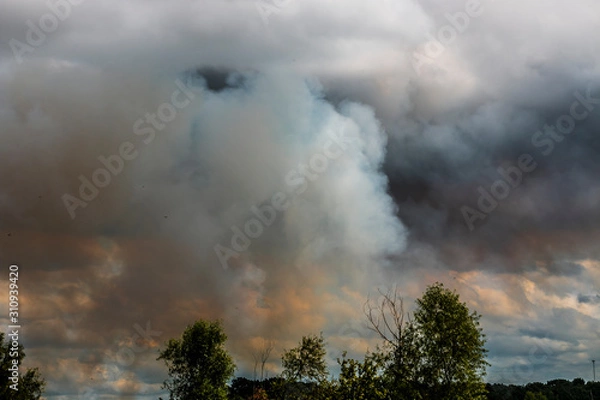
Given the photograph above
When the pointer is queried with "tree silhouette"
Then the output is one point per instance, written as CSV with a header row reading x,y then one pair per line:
x,y
199,366
30,385
451,346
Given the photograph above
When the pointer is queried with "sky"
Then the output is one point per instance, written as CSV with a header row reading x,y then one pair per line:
x,y
273,164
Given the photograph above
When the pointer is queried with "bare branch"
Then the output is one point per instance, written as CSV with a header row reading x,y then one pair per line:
x,y
264,356
386,317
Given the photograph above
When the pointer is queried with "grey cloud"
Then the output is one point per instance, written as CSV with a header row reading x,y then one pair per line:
x,y
588,299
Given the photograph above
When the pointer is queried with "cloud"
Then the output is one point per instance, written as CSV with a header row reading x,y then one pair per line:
x,y
588,299
266,101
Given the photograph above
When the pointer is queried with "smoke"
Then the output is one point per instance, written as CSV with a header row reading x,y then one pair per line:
x,y
168,162
145,243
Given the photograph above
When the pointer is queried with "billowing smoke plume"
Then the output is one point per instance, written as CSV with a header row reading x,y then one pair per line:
x,y
254,204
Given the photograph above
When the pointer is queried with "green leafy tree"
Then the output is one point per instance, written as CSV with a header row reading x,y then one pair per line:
x,y
198,364
362,380
305,370
30,385
306,363
451,346
242,388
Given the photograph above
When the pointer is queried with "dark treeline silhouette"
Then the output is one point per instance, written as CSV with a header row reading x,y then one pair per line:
x,y
557,389
16,384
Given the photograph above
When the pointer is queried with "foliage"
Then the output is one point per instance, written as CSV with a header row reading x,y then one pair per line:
x,y
244,389
307,361
534,396
198,364
558,389
259,394
450,345
304,369
403,366
362,380
439,354
30,385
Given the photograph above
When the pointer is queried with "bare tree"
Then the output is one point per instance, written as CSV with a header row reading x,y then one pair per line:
x,y
386,317
262,356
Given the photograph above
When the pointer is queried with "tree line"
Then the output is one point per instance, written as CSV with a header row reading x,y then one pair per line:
x,y
557,389
438,353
